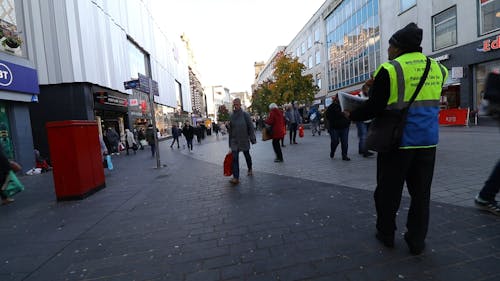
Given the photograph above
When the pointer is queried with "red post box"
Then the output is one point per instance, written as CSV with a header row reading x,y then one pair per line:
x,y
75,153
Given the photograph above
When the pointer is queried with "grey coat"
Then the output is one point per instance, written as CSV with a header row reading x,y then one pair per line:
x,y
241,131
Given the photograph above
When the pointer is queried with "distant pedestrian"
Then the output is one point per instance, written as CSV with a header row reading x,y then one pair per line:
x,y
141,137
150,138
188,132
5,169
485,200
362,126
338,128
293,120
241,133
176,132
277,123
314,117
413,160
130,141
114,140
216,129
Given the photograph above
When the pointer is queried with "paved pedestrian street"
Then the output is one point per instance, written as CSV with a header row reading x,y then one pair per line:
x,y
309,218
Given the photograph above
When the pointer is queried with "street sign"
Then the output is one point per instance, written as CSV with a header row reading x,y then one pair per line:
x,y
132,84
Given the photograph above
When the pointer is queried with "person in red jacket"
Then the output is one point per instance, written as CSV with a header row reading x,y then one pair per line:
x,y
277,123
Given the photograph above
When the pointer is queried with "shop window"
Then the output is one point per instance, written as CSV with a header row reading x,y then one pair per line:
x,y
489,16
445,28
406,4
11,39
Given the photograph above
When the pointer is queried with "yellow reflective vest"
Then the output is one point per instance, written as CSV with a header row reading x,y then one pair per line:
x,y
422,126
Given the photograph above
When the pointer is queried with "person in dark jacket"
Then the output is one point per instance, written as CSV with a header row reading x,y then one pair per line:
x,y
5,168
241,133
188,132
338,128
176,132
114,140
150,138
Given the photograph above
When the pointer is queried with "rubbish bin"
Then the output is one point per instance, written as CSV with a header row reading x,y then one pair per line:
x,y
75,153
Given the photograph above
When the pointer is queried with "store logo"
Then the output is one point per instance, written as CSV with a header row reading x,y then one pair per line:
x,y
5,75
489,45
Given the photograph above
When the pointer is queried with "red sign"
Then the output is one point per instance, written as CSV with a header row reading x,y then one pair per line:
x,y
489,44
454,116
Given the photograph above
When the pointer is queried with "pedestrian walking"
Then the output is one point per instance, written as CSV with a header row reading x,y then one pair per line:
x,y
413,160
188,132
150,138
314,117
362,126
293,120
141,136
338,128
114,140
5,169
241,133
176,132
277,123
130,141
485,200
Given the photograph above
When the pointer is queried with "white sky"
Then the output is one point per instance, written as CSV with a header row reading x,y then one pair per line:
x,y
228,36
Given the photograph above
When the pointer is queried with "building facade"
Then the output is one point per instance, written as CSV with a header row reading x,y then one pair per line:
x,y
18,85
85,50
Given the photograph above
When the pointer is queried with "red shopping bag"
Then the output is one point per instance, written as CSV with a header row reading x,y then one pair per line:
x,y
228,164
301,131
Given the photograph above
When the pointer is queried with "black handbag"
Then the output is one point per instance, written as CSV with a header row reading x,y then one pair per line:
x,y
386,130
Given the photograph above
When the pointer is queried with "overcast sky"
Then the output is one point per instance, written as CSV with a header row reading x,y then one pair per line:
x,y
228,36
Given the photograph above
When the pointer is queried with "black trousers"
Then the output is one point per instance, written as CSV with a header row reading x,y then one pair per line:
x,y
416,168
277,149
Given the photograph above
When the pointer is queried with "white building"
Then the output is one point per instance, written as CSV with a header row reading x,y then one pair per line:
x,y
84,51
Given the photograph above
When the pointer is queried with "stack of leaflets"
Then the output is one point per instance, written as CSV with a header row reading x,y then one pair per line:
x,y
350,102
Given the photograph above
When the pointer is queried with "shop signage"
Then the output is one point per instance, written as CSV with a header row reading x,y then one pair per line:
x,y
18,78
442,57
133,102
110,99
132,84
489,45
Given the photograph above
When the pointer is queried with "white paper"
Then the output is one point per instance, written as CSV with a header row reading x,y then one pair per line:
x,y
350,102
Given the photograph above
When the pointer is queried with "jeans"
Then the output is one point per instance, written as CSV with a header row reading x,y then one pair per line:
x,y
153,148
175,139
492,185
343,136
236,163
362,130
315,128
189,144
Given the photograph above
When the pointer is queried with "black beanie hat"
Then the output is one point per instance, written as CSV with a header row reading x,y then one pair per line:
x,y
407,38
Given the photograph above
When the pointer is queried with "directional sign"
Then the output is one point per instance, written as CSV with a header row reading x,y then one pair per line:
x,y
132,84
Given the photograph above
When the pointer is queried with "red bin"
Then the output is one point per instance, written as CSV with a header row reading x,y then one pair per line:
x,y
75,153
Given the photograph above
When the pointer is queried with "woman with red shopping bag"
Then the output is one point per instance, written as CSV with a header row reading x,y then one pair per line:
x,y
277,123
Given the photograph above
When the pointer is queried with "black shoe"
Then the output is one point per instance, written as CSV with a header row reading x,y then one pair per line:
x,y
387,240
415,248
332,154
345,158
368,154
278,160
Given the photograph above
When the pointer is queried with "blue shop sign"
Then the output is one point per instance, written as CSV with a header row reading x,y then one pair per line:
x,y
17,78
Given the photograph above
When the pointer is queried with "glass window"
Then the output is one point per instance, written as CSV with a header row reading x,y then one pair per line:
x,y
310,62
489,13
298,52
318,80
303,48
316,35
406,4
138,60
309,42
445,28
318,57
11,39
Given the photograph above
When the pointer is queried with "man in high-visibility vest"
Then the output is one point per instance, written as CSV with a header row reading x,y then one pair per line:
x,y
413,162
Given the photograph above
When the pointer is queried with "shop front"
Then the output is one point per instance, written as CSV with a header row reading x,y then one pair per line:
x,y
18,89
468,66
111,110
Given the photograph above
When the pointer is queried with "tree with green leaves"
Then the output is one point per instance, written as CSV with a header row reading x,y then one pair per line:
x,y
289,85
289,82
